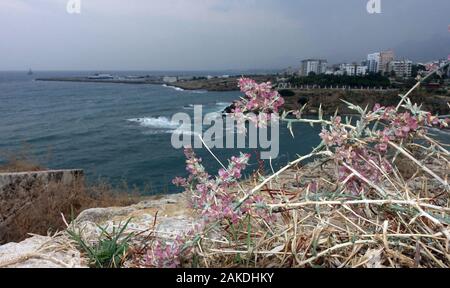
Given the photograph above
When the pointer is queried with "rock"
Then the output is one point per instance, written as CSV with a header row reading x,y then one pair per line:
x,y
169,216
99,215
171,212
167,205
229,109
40,252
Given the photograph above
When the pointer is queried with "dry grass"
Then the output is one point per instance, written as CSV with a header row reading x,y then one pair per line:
x,y
20,161
328,228
399,220
45,202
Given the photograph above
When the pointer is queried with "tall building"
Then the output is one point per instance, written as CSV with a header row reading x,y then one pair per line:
x,y
317,66
385,58
401,68
373,62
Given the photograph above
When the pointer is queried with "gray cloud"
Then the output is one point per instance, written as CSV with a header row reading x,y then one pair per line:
x,y
213,34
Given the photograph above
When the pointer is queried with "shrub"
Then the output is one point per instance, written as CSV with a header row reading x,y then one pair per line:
x,y
349,208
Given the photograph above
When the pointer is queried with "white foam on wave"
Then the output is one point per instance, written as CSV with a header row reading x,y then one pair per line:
x,y
162,125
157,123
223,104
173,87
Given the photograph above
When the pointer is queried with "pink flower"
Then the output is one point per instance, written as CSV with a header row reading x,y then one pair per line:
x,y
260,99
377,107
382,147
178,181
211,195
223,174
164,254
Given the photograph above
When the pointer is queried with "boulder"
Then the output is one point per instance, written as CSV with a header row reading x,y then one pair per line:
x,y
41,252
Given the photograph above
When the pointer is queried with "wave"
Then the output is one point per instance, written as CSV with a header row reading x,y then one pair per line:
x,y
163,125
158,123
173,87
223,104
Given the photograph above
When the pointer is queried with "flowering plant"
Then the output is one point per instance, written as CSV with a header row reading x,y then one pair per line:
x,y
259,103
358,205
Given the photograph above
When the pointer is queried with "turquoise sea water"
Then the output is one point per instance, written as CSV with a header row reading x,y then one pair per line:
x,y
114,131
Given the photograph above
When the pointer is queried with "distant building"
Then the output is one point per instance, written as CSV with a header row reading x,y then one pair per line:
x,y
385,58
379,62
101,77
361,70
352,70
289,71
317,66
329,72
170,79
373,62
339,73
185,78
401,68
347,69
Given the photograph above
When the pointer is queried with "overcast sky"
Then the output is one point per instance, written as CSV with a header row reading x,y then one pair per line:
x,y
214,34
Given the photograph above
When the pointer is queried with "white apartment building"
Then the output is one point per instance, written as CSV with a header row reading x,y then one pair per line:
x,y
352,70
361,70
317,66
401,68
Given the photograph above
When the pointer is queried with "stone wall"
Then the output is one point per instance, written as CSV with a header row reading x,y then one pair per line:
x,y
20,191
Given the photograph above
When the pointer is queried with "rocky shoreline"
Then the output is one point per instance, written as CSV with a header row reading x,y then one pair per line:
x,y
219,84
331,100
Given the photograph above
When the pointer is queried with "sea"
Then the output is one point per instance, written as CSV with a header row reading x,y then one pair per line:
x,y
117,133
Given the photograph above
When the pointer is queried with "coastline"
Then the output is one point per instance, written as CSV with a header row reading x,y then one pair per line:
x,y
330,99
107,81
211,85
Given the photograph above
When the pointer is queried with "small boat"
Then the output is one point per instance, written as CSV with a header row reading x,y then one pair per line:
x,y
30,72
